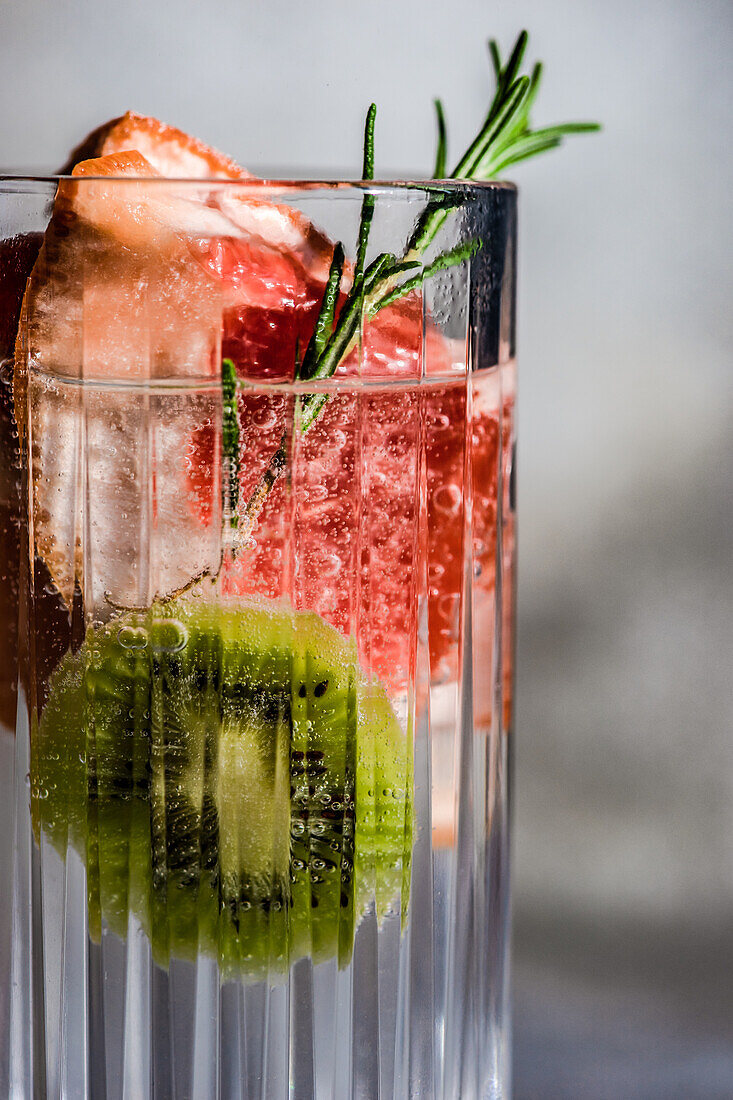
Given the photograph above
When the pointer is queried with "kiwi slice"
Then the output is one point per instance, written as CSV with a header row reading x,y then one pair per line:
x,y
232,777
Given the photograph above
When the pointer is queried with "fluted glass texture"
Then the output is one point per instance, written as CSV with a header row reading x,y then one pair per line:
x,y
256,686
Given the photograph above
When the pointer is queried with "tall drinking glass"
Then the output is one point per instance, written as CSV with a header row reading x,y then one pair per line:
x,y
255,687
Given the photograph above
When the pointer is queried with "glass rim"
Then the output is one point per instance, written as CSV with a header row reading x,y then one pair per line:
x,y
266,183
335,385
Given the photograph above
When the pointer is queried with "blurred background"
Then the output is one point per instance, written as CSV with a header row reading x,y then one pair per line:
x,y
623,841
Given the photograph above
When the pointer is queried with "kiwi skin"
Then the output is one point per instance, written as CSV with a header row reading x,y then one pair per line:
x,y
231,777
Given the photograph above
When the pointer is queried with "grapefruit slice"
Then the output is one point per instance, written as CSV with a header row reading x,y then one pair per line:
x,y
170,151
175,154
129,286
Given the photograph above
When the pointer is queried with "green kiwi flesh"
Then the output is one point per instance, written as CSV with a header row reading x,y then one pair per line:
x,y
231,777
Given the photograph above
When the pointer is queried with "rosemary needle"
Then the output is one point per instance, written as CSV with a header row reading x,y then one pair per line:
x,y
441,154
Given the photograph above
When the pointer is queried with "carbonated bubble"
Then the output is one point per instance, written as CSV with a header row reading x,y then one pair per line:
x,y
169,635
132,637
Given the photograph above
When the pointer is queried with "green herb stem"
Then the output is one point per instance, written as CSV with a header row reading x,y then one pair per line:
x,y
441,153
451,258
324,321
367,206
230,444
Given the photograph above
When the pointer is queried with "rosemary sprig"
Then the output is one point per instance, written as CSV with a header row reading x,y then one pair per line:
x,y
505,138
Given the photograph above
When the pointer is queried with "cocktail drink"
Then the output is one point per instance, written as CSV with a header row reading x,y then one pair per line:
x,y
258,559
258,758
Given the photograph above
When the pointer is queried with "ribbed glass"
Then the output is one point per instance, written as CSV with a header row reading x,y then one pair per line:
x,y
256,686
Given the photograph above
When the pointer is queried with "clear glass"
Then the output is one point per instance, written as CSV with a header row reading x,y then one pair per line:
x,y
255,688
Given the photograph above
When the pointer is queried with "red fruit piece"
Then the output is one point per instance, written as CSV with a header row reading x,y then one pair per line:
x,y
169,151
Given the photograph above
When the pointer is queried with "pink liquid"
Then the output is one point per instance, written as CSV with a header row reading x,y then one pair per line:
x,y
340,535
509,540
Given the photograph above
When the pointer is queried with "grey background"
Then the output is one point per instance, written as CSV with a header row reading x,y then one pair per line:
x,y
624,806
